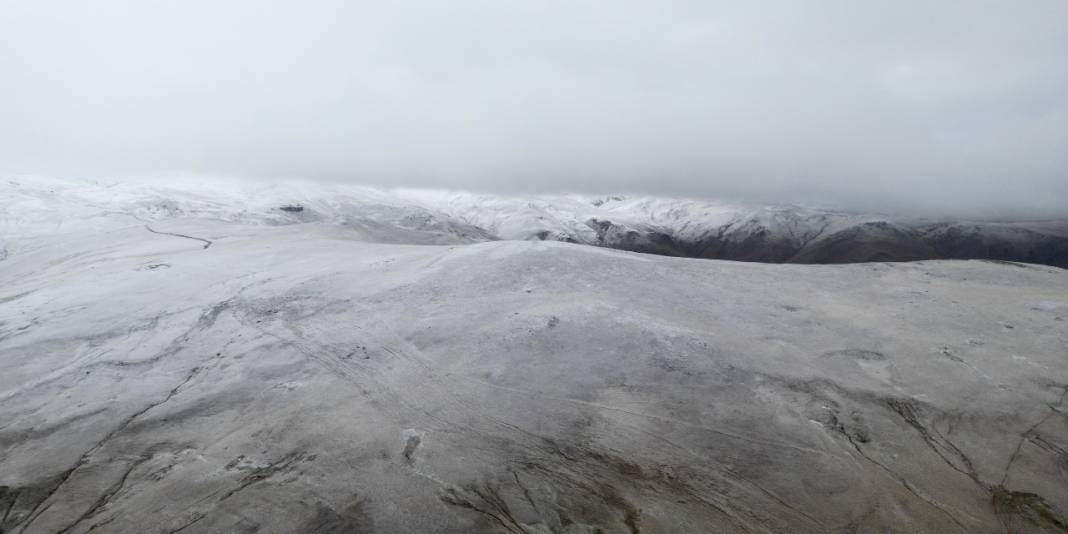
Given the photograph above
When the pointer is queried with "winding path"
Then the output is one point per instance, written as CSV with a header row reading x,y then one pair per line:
x,y
206,242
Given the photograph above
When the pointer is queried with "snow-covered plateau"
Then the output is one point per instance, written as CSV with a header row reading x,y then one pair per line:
x,y
310,358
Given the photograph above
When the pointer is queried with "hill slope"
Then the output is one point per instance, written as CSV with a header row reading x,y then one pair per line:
x,y
210,374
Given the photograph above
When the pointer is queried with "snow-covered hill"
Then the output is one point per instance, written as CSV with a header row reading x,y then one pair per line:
x,y
30,207
223,370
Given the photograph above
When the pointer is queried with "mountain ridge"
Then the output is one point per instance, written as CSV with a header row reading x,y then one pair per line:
x,y
666,226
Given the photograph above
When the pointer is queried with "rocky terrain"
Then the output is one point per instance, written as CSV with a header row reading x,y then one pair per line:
x,y
179,362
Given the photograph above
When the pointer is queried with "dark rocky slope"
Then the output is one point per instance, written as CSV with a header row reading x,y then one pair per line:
x,y
862,242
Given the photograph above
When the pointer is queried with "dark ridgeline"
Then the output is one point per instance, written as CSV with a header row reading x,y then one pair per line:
x,y
861,242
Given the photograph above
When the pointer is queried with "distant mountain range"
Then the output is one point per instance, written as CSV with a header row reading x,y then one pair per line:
x,y
775,234
665,226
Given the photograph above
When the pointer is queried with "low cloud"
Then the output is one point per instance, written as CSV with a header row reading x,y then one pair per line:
x,y
942,107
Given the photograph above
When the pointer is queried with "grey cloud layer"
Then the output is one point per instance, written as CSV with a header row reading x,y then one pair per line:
x,y
951,105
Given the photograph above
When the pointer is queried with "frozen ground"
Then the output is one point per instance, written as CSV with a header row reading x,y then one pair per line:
x,y
223,374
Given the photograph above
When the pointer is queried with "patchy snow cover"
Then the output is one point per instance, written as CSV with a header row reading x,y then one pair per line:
x,y
307,378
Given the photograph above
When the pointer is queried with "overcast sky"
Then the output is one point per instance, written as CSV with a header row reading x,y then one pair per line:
x,y
941,105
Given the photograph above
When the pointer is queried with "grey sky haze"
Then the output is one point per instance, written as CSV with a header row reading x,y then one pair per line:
x,y
938,106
